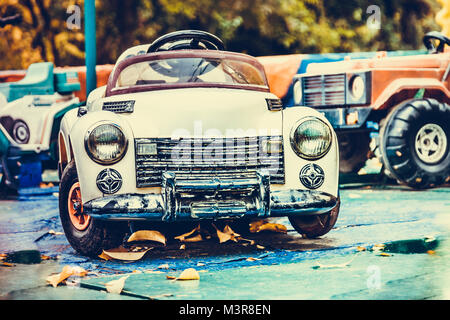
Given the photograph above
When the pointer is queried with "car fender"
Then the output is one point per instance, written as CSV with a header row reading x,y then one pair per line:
x,y
293,163
398,85
91,169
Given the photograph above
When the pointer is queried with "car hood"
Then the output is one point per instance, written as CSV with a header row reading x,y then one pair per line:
x,y
200,112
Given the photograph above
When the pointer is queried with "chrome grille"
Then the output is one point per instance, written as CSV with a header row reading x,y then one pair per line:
x,y
204,158
324,90
119,106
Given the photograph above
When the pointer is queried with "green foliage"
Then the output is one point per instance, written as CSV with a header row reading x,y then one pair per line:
x,y
257,27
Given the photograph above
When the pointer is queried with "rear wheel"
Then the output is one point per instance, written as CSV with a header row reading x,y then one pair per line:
x,y
316,225
86,235
415,143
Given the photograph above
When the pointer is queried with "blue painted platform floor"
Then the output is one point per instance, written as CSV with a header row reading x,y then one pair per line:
x,y
288,267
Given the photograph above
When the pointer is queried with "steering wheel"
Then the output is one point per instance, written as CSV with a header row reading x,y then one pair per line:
x,y
180,40
198,40
434,35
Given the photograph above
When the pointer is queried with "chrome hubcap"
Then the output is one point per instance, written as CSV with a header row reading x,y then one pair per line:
x,y
431,143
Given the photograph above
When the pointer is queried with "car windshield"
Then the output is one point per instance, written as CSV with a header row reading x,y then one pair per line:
x,y
184,70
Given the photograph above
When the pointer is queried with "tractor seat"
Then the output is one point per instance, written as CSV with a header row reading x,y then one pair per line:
x,y
37,81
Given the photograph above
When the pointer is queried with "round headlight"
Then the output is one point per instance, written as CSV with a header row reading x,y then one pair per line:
x,y
298,92
106,143
357,87
311,138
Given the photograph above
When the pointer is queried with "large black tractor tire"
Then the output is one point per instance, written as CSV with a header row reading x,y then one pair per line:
x,y
353,150
415,143
87,236
315,225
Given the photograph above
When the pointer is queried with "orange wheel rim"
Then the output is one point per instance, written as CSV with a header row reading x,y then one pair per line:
x,y
75,207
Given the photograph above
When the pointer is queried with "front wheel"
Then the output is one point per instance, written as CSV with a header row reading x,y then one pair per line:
x,y
316,225
85,234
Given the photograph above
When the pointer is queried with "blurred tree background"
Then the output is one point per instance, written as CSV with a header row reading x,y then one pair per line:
x,y
256,27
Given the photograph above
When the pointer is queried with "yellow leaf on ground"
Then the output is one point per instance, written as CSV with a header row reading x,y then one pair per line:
x,y
116,286
186,235
196,238
121,253
148,235
189,274
66,272
274,227
384,254
226,234
254,225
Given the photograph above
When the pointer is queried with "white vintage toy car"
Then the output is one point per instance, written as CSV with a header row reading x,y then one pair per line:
x,y
186,131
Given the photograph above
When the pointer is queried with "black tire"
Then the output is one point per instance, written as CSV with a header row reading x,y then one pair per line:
x,y
403,142
20,132
316,225
353,150
98,235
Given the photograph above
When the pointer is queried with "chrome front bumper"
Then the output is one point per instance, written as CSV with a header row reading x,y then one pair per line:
x,y
213,198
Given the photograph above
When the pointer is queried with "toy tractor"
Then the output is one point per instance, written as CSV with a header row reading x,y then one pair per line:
x,y
405,98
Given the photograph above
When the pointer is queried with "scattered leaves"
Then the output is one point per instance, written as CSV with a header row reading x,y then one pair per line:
x,y
122,253
227,234
116,286
252,259
148,235
274,227
189,274
66,272
384,254
263,225
185,237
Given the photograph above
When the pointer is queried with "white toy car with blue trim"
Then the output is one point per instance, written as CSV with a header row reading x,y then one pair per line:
x,y
185,131
31,110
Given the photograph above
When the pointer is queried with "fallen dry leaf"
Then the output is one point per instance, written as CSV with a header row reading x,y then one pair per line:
x,y
116,286
254,225
183,247
104,256
66,272
189,274
226,234
252,259
148,235
196,238
274,227
121,253
359,248
384,254
260,247
184,236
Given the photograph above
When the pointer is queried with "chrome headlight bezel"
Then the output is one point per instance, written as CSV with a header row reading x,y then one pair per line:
x,y
95,157
294,144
